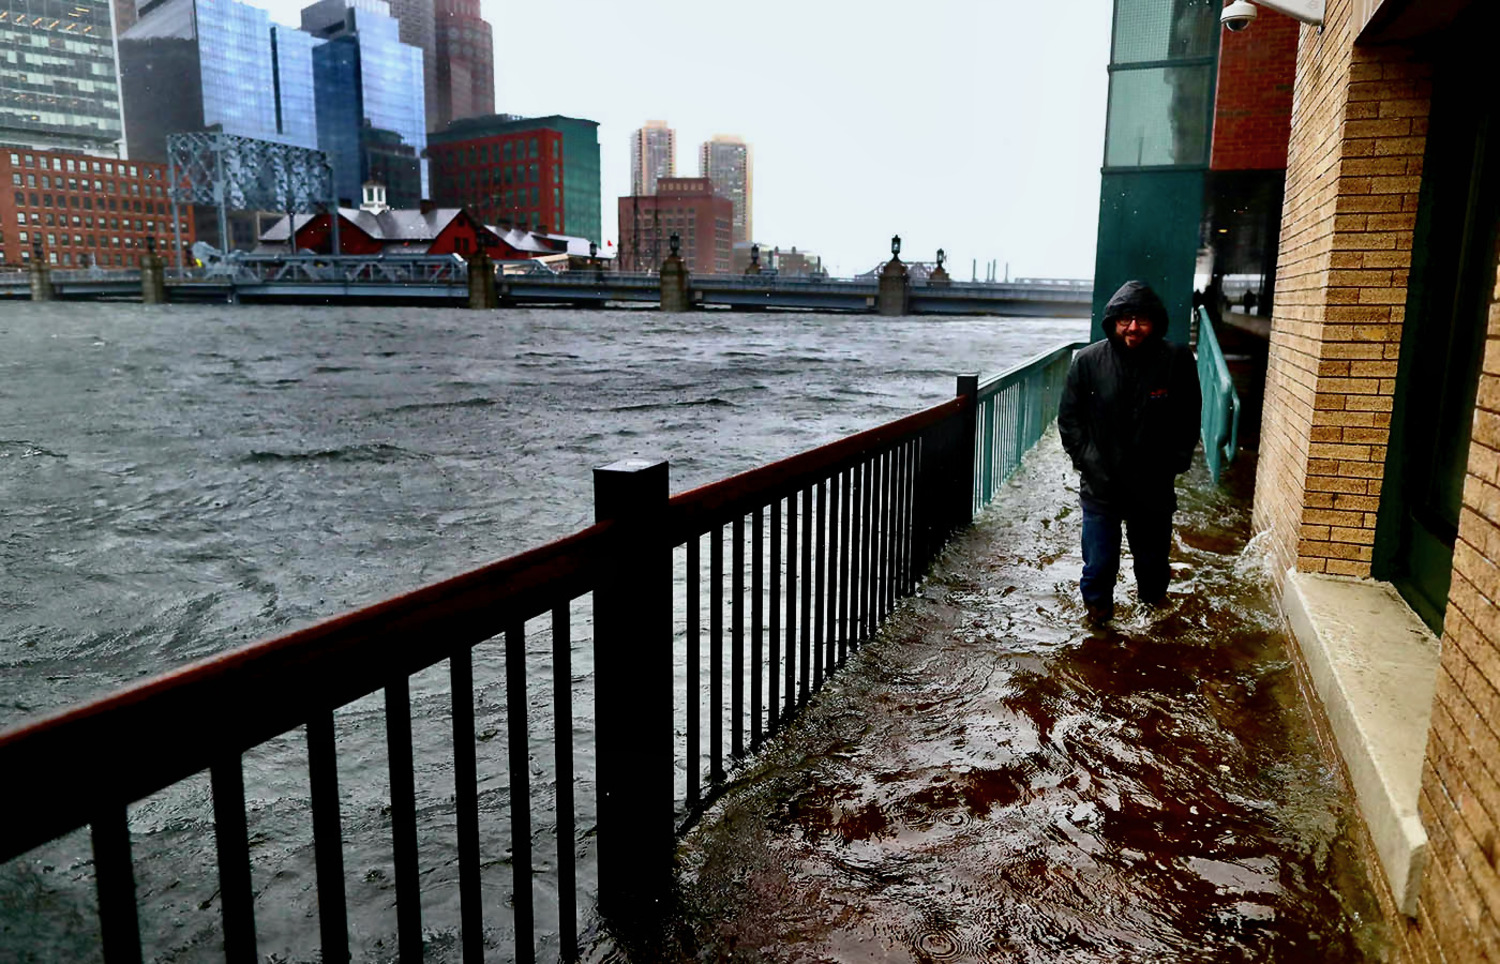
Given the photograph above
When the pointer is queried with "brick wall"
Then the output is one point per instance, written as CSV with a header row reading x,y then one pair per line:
x,y
1354,171
1359,123
1253,105
1460,802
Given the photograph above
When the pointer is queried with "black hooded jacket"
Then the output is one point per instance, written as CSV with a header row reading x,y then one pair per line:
x,y
1129,417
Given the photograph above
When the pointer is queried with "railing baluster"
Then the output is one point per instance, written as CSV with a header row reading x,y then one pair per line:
x,y
737,637
114,878
831,591
516,737
692,696
716,653
232,843
328,837
403,819
807,585
562,742
844,526
889,542
790,691
863,618
908,545
773,631
821,569
757,615
466,803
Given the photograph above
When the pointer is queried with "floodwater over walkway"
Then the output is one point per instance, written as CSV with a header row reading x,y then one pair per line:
x,y
990,780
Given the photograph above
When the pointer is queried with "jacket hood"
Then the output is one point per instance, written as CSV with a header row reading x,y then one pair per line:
x,y
1135,298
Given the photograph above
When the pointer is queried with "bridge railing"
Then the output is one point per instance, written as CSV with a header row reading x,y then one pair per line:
x,y
805,558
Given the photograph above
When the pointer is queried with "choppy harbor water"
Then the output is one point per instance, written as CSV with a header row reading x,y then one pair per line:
x,y
180,481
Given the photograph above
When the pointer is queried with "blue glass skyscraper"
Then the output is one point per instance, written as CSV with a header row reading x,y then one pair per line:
x,y
193,65
372,116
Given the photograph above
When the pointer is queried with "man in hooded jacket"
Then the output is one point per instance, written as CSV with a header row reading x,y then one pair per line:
x,y
1129,420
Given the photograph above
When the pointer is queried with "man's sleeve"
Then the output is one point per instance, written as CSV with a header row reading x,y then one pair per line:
x,y
1070,415
1190,413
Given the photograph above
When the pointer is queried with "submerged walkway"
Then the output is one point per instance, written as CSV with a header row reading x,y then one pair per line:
x,y
990,780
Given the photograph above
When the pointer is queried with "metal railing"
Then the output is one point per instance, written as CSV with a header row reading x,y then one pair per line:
x,y
1220,422
1015,408
805,559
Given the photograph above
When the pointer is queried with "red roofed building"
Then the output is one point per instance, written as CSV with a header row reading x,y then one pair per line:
x,y
374,228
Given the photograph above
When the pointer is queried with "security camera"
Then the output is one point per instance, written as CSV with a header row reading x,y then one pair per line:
x,y
1238,15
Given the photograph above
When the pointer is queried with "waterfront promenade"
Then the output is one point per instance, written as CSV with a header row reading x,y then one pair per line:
x,y
990,780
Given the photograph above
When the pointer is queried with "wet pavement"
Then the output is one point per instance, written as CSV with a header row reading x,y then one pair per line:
x,y
991,780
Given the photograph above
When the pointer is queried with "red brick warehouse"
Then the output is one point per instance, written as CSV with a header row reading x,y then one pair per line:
x,y
84,210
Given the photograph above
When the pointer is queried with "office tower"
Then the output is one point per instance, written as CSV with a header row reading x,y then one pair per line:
x,y
62,91
416,28
726,161
535,172
372,112
653,155
465,79
686,207
195,65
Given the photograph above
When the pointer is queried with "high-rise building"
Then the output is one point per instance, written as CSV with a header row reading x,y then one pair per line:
x,y
415,21
535,172
686,207
653,155
58,82
193,65
465,78
726,161
371,105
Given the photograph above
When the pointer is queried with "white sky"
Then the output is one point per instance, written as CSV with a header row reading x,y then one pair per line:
x,y
976,126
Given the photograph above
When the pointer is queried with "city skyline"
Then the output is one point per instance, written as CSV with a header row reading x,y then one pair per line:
x,y
996,112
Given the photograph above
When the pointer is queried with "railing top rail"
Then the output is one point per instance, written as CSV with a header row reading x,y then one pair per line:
x,y
998,382
695,511
146,736
1206,333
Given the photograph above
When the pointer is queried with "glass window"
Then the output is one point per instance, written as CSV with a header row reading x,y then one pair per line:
x,y
1159,116
532,148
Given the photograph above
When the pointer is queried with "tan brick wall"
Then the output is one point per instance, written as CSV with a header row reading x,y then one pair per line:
x,y
1460,803
1359,124
1354,170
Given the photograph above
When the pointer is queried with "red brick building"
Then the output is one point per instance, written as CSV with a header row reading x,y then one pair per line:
x,y
84,210
1247,167
1253,104
540,173
687,207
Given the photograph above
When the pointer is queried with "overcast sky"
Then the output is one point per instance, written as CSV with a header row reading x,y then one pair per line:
x,y
976,126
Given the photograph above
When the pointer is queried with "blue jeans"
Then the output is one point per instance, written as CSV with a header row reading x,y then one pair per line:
x,y
1150,535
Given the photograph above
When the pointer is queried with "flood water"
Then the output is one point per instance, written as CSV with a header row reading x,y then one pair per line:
x,y
991,780
179,481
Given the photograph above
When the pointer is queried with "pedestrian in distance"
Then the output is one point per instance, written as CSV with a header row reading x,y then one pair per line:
x,y
1129,421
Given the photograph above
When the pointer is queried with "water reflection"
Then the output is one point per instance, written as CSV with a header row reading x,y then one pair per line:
x,y
991,781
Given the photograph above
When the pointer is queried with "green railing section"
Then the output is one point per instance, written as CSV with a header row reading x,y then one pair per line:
x,y
1013,409
1220,425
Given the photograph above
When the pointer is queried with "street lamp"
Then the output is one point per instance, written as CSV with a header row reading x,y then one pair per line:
x,y
895,245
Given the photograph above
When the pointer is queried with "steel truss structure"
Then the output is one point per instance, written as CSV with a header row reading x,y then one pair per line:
x,y
229,171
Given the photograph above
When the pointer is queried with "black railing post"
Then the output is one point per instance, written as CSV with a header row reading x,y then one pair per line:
x,y
963,467
633,696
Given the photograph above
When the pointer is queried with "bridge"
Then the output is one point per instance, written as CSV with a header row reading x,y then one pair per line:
x,y
444,281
